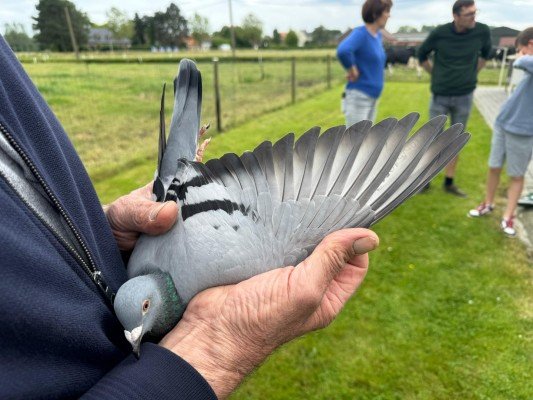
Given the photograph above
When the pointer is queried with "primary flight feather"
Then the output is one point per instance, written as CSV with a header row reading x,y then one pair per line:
x,y
268,208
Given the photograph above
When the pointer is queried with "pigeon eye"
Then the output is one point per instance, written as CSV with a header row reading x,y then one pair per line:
x,y
146,305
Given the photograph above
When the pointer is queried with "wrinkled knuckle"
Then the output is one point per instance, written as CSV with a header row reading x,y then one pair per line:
x,y
137,218
113,212
334,255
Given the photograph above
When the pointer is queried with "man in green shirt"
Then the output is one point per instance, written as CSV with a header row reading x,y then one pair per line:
x,y
460,49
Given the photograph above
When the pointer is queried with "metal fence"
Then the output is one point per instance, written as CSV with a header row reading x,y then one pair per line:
x,y
235,92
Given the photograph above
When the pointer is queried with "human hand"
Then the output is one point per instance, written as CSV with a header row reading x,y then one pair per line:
x,y
137,213
353,74
227,331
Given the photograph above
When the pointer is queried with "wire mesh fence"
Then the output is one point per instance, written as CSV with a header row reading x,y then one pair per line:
x,y
252,88
110,110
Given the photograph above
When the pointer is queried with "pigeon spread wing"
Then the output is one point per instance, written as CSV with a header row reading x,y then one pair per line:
x,y
242,215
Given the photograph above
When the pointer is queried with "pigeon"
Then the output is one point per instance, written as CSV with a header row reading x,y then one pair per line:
x,y
267,208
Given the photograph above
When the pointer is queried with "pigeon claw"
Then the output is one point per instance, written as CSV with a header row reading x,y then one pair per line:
x,y
204,129
201,149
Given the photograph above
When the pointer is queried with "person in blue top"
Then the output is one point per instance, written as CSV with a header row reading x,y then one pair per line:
x,y
512,139
362,55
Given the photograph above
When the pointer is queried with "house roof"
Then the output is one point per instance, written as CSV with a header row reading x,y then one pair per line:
x,y
507,41
103,36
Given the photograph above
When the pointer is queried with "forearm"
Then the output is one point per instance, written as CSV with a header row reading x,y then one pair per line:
x,y
216,355
481,62
345,58
427,66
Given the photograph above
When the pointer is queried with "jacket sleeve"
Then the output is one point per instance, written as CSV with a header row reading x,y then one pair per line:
x,y
157,374
487,45
525,63
426,47
347,49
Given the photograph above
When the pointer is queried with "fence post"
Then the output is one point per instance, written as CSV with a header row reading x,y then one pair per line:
x,y
502,69
217,94
261,68
72,37
293,80
328,70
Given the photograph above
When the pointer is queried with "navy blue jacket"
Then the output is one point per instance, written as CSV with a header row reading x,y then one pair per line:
x,y
59,337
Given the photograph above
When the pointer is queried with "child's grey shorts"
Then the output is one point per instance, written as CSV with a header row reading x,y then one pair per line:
x,y
511,148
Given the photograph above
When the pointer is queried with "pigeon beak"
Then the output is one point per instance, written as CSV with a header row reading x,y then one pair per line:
x,y
134,337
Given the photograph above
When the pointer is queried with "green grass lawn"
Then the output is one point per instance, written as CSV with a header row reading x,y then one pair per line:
x,y
446,309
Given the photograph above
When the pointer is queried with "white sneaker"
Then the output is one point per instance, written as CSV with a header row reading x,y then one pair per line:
x,y
507,227
481,210
526,200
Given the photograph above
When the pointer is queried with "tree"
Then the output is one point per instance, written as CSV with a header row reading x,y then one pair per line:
x,y
324,37
252,30
119,23
138,35
407,29
224,36
276,38
149,29
291,40
427,28
51,25
170,27
199,28
17,38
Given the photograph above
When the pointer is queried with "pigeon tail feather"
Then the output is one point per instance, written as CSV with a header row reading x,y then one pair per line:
x,y
185,125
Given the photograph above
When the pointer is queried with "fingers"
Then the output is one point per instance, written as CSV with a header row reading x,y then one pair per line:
x,y
133,213
334,253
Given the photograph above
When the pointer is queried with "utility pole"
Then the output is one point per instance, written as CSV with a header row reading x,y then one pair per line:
x,y
232,30
72,37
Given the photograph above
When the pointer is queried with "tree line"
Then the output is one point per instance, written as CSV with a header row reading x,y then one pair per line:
x,y
168,28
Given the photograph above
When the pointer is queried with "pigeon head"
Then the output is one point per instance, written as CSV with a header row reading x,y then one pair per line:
x,y
147,305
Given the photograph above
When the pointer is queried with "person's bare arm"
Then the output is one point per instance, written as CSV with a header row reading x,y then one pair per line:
x,y
427,66
481,63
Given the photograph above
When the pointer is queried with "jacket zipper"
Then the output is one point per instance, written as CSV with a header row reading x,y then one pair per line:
x,y
89,267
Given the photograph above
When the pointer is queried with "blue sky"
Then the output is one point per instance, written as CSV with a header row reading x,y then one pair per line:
x,y
286,14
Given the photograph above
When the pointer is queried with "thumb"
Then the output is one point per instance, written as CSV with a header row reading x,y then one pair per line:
x,y
334,253
158,218
135,214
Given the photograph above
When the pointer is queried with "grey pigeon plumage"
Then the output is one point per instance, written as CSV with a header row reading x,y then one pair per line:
x,y
243,215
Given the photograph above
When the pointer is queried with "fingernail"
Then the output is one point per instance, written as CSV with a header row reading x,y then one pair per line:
x,y
155,211
365,244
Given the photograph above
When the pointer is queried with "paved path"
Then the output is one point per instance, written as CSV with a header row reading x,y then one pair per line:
x,y
488,100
